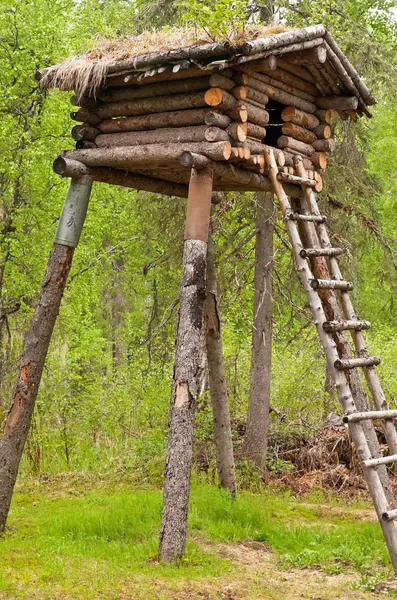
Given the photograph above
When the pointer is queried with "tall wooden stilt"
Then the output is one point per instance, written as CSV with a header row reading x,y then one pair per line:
x,y
217,379
38,338
257,431
188,374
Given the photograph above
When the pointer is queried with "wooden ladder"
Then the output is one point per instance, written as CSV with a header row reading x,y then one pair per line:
x,y
315,256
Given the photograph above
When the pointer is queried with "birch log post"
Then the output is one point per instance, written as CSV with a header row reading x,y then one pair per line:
x,y
217,379
256,435
37,340
187,379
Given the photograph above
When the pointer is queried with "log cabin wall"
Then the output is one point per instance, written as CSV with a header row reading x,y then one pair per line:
x,y
146,129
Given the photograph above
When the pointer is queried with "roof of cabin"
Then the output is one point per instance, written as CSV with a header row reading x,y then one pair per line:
x,y
150,54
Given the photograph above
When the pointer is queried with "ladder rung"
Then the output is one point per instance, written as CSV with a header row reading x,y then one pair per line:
x,y
331,284
353,363
384,460
309,252
313,218
390,515
334,326
370,414
297,180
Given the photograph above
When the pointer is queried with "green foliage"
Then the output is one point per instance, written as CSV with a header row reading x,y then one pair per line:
x,y
83,539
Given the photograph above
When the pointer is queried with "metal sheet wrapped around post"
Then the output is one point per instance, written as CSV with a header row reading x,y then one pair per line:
x,y
73,213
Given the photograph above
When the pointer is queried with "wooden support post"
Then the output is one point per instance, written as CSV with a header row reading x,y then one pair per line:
x,y
38,338
217,379
256,435
187,382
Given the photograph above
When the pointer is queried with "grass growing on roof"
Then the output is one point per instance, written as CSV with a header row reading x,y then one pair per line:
x,y
88,543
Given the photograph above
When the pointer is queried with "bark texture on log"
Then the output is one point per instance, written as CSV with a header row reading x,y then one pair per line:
x,y
299,117
317,55
127,157
153,105
291,144
178,118
284,39
217,379
195,133
67,167
298,133
187,380
337,102
288,79
37,340
256,435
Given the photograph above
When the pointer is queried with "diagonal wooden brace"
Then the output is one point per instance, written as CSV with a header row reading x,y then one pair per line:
x,y
37,340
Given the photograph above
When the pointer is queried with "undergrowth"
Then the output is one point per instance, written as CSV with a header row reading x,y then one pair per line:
x,y
66,540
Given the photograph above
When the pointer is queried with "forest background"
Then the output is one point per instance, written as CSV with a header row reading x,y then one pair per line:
x,y
103,401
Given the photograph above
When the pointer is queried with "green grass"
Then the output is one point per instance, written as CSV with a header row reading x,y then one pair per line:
x,y
71,543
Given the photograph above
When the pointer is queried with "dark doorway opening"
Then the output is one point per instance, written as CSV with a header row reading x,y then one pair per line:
x,y
273,128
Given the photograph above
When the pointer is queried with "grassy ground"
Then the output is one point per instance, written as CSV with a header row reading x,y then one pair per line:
x,y
70,541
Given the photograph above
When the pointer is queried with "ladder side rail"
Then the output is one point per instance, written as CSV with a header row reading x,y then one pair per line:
x,y
371,475
359,339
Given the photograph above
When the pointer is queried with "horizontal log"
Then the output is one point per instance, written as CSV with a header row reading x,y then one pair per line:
x,y
323,131
193,160
286,98
288,79
168,73
215,134
220,98
217,119
258,116
289,143
84,132
85,102
237,131
295,70
337,102
324,115
297,180
195,133
298,133
250,93
154,105
354,363
126,157
84,116
283,39
255,131
331,284
319,159
260,81
289,159
85,144
249,64
376,462
300,117
370,415
348,325
180,118
317,55
327,145
164,88
71,168
238,113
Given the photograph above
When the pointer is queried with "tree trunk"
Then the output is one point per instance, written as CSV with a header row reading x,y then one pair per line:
x,y
217,379
187,380
37,340
36,344
256,435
